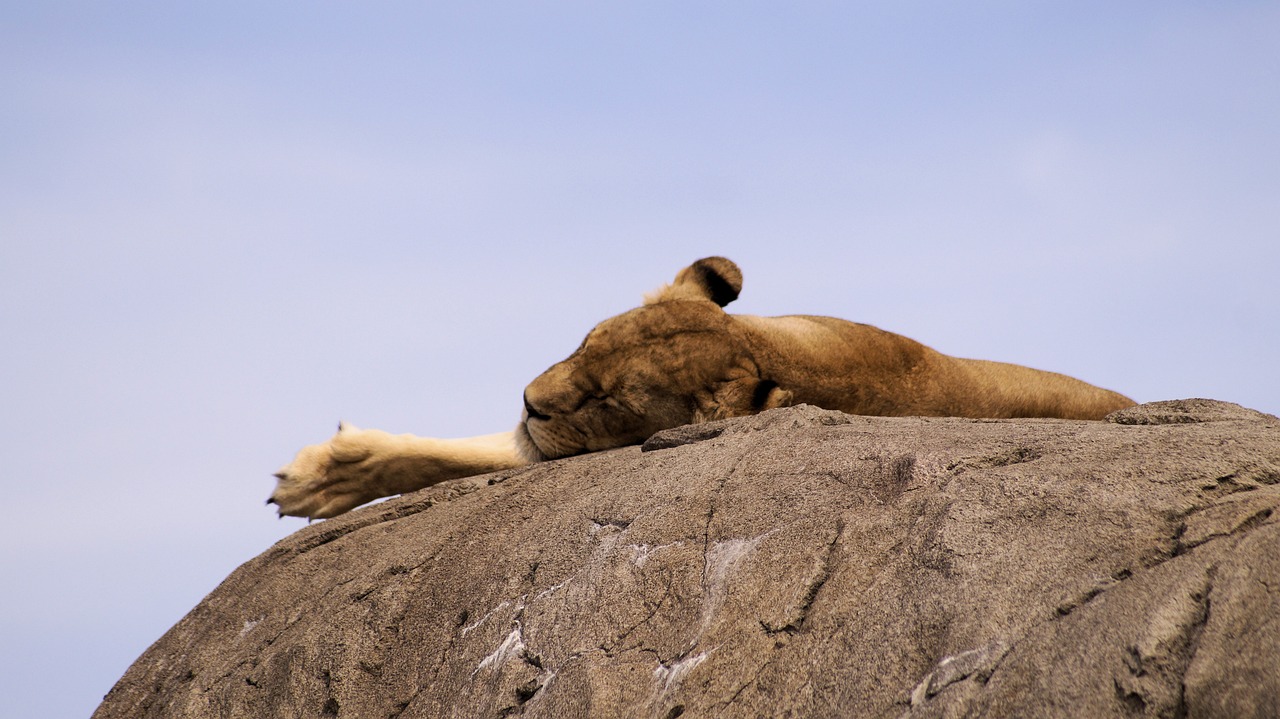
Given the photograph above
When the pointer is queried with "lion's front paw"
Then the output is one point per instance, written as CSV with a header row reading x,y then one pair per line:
x,y
325,480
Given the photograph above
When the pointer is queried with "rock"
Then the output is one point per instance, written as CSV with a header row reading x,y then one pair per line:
x,y
797,563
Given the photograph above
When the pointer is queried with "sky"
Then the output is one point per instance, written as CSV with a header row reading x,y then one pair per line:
x,y
226,226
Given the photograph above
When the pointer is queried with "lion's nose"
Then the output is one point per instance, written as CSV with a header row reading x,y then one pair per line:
x,y
531,410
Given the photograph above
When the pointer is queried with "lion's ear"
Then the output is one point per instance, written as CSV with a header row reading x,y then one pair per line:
x,y
711,278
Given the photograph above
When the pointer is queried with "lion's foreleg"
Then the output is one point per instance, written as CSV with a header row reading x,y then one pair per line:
x,y
360,465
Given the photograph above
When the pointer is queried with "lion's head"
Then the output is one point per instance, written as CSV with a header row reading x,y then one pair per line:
x,y
676,360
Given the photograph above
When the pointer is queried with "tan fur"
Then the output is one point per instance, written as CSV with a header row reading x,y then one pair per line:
x,y
360,465
680,359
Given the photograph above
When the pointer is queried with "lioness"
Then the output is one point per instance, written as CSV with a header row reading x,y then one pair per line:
x,y
681,359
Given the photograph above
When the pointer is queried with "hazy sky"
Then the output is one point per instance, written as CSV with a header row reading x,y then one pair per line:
x,y
226,226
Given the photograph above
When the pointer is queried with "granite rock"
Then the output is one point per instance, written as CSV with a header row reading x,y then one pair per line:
x,y
800,563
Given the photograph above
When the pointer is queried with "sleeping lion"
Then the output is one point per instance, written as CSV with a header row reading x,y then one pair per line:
x,y
681,359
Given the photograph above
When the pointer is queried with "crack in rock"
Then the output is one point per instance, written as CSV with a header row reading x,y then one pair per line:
x,y
512,646
825,570
1155,664
976,663
722,558
1066,608
1183,544
669,676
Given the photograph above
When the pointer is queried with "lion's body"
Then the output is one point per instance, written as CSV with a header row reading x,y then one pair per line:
x,y
860,369
681,359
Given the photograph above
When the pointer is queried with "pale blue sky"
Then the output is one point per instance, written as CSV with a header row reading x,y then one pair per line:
x,y
225,226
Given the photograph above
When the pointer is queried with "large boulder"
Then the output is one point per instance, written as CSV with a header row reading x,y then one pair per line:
x,y
799,563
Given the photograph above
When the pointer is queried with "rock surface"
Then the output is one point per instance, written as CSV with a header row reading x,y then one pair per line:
x,y
798,563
